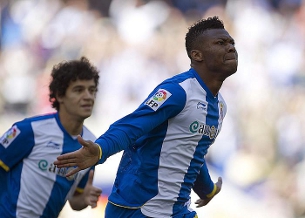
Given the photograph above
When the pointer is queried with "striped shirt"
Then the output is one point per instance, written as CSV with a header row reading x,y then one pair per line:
x,y
33,186
164,141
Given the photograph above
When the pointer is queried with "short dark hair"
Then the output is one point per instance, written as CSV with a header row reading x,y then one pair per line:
x,y
67,71
198,28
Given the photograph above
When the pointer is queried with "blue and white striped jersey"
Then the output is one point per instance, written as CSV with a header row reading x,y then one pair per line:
x,y
164,141
33,186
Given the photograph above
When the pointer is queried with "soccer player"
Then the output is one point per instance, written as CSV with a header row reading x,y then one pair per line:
x,y
31,185
167,137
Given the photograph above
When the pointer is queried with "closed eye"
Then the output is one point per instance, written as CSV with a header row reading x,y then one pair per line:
x,y
225,41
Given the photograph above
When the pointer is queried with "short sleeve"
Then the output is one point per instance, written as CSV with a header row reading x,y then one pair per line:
x,y
16,144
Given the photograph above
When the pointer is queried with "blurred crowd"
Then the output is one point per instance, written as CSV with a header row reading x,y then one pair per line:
x,y
138,43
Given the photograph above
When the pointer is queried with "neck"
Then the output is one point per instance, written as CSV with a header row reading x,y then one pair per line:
x,y
213,83
71,124
214,86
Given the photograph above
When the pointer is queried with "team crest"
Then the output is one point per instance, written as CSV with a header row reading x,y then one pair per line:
x,y
158,99
9,136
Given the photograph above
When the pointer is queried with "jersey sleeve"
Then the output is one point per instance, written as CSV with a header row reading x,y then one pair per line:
x,y
15,144
165,102
203,184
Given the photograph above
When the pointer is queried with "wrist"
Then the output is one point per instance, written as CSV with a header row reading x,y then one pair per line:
x,y
213,192
99,151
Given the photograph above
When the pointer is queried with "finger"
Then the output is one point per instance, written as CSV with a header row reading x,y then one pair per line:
x,y
66,163
219,181
90,179
66,160
93,201
199,204
93,205
219,184
68,156
72,172
199,201
82,141
96,191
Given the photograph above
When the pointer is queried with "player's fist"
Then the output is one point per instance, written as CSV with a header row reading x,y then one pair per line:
x,y
91,192
216,190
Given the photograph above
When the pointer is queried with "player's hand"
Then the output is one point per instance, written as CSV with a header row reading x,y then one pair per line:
x,y
203,202
83,158
91,193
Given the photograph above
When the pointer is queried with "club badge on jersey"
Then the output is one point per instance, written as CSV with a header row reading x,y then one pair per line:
x,y
9,136
158,99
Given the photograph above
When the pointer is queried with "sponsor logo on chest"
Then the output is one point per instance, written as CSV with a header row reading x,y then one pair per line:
x,y
203,129
44,165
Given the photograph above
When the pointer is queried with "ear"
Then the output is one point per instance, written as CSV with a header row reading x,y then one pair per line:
x,y
59,99
196,55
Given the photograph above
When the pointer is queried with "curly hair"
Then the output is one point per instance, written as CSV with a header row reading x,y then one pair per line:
x,y
67,71
195,31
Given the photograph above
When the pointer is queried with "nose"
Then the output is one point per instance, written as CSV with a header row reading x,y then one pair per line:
x,y
231,48
88,94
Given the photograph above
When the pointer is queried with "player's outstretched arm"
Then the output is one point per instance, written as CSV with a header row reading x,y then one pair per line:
x,y
89,197
209,197
83,158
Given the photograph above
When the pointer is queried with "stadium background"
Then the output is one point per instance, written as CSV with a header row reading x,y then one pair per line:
x,y
138,43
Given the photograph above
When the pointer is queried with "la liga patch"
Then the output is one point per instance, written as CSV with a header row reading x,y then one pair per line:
x,y
158,99
9,136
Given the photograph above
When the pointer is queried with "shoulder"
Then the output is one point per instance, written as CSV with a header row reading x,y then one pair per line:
x,y
37,124
181,83
37,118
179,78
87,134
26,122
173,84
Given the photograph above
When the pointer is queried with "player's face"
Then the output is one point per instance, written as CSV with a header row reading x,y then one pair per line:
x,y
79,99
219,52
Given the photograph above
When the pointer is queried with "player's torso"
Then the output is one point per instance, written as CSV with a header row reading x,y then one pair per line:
x,y
188,136
165,167
43,186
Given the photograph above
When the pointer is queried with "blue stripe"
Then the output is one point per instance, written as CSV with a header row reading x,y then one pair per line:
x,y
201,150
62,185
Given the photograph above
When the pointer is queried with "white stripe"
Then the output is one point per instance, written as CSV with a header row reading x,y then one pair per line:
x,y
36,184
176,153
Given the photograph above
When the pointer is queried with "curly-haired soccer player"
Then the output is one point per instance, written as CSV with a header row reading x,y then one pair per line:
x,y
31,185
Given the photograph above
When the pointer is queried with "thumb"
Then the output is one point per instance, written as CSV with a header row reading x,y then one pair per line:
x,y
219,181
90,178
82,141
219,185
